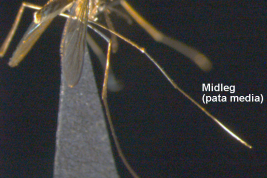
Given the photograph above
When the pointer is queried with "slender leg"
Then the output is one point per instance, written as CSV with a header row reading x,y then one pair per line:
x,y
104,98
198,58
11,33
115,43
121,14
113,83
142,50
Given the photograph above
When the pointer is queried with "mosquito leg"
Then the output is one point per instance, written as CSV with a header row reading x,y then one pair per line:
x,y
113,83
115,43
121,14
142,50
104,98
197,57
11,33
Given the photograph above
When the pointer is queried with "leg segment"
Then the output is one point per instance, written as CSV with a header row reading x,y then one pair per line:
x,y
104,98
142,50
198,58
113,83
115,44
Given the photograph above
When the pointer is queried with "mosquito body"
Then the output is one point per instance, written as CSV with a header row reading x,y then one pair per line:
x,y
82,14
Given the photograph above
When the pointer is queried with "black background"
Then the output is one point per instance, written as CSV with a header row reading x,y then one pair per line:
x,y
161,132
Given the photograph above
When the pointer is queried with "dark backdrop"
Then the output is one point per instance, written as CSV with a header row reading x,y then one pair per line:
x,y
161,132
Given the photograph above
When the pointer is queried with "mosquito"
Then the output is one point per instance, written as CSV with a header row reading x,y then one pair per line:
x,y
81,14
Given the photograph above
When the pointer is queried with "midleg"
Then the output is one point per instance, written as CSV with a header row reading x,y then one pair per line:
x,y
142,50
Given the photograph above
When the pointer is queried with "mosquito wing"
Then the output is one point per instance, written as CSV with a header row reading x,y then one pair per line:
x,y
44,17
29,39
73,44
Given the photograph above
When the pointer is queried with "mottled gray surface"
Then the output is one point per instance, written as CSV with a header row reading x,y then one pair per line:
x,y
82,144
